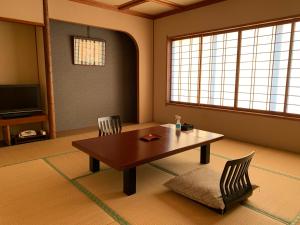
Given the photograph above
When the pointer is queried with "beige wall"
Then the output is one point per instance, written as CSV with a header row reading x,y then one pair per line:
x,y
279,133
25,10
139,28
18,58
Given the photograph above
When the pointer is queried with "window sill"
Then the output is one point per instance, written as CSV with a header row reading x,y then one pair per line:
x,y
240,111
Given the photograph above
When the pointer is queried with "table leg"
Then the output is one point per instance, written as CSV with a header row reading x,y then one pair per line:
x,y
129,181
6,134
94,165
205,154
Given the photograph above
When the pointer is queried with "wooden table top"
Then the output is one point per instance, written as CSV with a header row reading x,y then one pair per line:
x,y
126,150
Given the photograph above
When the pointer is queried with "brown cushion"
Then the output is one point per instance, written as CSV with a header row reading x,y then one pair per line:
x,y
201,185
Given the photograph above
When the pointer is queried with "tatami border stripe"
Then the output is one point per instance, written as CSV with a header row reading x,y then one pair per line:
x,y
266,213
261,168
91,196
60,154
41,157
163,169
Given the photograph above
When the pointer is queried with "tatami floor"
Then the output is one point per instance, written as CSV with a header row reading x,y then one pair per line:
x,y
49,182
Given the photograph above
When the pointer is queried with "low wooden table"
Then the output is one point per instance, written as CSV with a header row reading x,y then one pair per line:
x,y
126,151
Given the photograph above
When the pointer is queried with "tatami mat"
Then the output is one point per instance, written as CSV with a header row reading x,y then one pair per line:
x,y
155,204
187,161
114,223
73,164
298,220
278,195
35,150
34,193
273,159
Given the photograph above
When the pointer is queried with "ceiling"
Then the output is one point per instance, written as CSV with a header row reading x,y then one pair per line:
x,y
151,9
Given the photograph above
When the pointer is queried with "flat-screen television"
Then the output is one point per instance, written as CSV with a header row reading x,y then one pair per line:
x,y
19,100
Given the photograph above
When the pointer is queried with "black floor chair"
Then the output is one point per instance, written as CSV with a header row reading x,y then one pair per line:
x,y
217,190
235,184
109,125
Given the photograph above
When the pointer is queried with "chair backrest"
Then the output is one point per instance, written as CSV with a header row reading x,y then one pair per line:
x,y
235,184
109,125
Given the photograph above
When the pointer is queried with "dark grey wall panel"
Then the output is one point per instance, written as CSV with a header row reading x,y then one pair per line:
x,y
83,93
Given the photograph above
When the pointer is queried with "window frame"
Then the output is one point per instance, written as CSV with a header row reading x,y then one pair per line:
x,y
235,108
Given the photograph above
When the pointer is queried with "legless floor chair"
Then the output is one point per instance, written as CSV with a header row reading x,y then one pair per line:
x,y
216,190
107,126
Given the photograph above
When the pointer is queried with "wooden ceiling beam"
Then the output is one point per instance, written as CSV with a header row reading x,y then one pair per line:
x,y
96,4
131,4
188,7
125,8
136,13
167,3
113,8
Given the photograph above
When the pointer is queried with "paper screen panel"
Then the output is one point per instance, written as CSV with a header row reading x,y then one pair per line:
x,y
263,68
185,70
218,69
293,104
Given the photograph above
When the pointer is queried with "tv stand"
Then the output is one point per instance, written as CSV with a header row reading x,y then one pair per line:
x,y
7,123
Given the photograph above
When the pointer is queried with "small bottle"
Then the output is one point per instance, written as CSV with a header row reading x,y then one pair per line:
x,y
178,124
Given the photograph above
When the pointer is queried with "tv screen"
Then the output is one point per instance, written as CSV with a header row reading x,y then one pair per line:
x,y
19,98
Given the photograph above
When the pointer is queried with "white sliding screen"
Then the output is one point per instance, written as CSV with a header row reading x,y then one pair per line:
x,y
263,68
293,104
218,69
185,70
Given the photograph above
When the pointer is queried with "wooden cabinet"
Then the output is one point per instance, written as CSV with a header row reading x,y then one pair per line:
x,y
6,124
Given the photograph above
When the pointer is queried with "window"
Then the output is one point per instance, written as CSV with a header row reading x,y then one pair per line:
x,y
218,66
185,70
293,102
256,69
263,68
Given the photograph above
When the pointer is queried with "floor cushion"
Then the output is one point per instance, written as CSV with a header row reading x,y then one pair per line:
x,y
201,185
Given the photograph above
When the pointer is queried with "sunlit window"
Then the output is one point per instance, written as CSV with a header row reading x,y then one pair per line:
x,y
293,104
263,68
218,69
248,69
185,70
